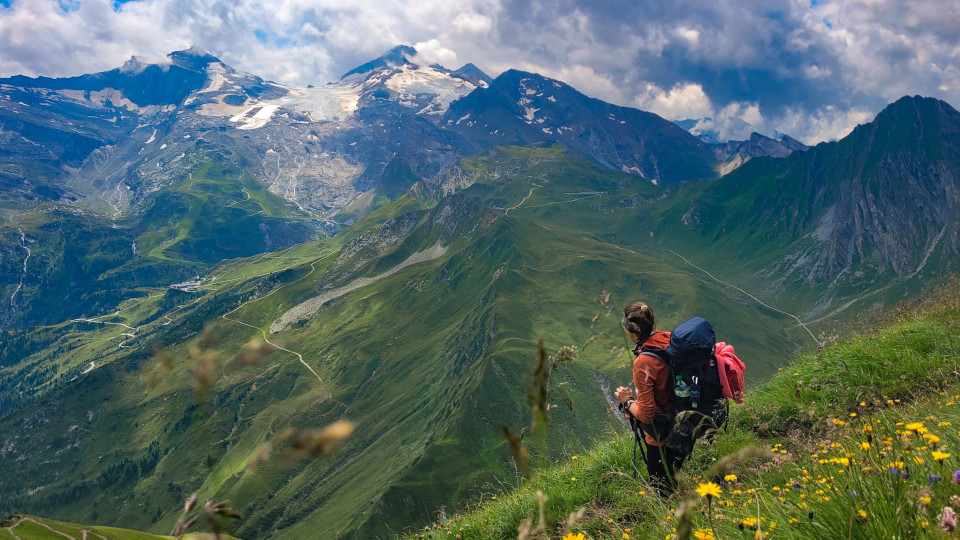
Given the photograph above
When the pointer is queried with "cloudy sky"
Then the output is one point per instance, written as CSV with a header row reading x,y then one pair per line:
x,y
809,68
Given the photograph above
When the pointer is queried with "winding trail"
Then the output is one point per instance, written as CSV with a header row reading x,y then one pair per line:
x,y
266,338
23,244
718,280
39,523
523,200
755,299
552,203
245,192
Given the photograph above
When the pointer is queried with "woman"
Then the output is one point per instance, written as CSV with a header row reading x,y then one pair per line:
x,y
653,404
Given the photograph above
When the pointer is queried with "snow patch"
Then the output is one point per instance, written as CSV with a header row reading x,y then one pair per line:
x,y
634,170
330,103
415,80
152,138
215,77
551,99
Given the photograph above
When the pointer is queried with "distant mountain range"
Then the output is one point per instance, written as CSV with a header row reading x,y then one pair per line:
x,y
115,147
406,235
319,148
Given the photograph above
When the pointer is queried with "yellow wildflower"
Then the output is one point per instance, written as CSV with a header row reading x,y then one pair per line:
x,y
914,426
925,500
574,536
708,490
940,456
730,478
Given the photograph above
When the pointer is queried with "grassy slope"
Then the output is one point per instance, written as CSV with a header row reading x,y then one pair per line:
x,y
420,359
805,422
397,356
35,528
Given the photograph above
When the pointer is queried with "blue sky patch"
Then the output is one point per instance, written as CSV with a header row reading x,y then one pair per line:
x,y
69,5
273,40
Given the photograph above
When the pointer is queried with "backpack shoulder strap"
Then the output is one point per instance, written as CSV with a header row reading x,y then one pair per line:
x,y
659,354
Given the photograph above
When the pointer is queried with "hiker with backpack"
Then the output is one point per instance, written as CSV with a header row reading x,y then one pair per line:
x,y
683,379
653,403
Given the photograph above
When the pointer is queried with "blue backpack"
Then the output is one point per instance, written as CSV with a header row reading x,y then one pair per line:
x,y
699,406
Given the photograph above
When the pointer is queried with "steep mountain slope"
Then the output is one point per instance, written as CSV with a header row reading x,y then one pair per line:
x,y
64,262
526,108
878,207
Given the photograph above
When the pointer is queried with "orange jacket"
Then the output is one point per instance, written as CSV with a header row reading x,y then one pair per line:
x,y
652,379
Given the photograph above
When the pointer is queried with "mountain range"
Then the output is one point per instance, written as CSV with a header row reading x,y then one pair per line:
x,y
403,236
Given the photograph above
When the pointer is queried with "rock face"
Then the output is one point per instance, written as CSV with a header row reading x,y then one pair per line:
x,y
880,204
526,108
733,154
899,188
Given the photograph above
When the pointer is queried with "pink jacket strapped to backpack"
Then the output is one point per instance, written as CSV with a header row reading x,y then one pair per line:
x,y
731,371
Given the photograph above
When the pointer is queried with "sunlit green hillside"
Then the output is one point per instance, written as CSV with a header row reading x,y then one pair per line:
x,y
418,323
857,441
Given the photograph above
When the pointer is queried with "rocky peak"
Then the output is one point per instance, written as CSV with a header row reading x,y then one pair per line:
x,y
397,56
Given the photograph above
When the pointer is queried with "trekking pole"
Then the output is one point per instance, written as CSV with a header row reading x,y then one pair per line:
x,y
636,443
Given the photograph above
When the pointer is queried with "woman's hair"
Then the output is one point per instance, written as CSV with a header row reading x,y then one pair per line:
x,y
642,318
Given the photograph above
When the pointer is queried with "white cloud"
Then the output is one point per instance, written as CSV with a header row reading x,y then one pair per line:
x,y
433,52
473,22
813,71
826,124
690,35
817,68
680,102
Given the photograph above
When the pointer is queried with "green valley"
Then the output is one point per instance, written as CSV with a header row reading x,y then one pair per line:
x,y
419,323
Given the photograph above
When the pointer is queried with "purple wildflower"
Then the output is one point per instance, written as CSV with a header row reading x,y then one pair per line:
x,y
933,478
956,477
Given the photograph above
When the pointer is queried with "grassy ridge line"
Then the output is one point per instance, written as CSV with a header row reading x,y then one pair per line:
x,y
35,528
821,405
